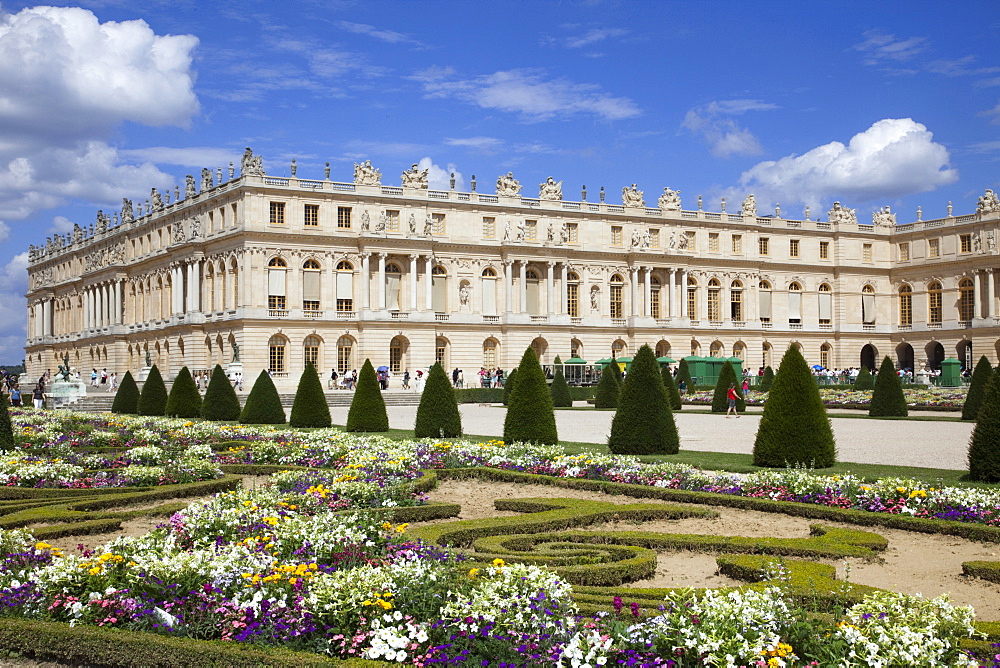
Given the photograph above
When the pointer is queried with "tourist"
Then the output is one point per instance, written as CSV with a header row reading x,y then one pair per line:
x,y
112,381
239,381
15,396
461,379
104,376
38,396
406,379
93,377
746,389
731,396
332,384
681,387
454,377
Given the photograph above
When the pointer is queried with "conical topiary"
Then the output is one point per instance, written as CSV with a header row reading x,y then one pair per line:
x,y
984,444
559,389
865,380
263,405
367,411
508,386
220,401
977,389
437,415
643,423
887,399
794,429
608,388
530,418
684,373
673,396
720,399
6,429
309,409
126,397
767,380
184,400
153,398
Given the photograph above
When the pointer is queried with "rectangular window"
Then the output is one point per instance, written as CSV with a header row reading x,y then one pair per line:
x,y
736,305
345,305
934,306
277,359
793,248
311,354
866,253
965,243
692,240
276,302
311,218
713,242
344,217
654,238
234,215
310,304
692,302
211,222
616,301
905,308
904,252
392,220
439,350
616,235
277,213
489,228
437,224
933,248
574,232
764,246
654,301
737,244
573,300
531,230
345,358
824,250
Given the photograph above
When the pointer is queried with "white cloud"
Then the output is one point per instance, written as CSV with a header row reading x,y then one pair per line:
x,y
60,225
586,38
985,146
893,158
715,123
4,231
388,36
484,144
440,178
529,94
191,156
880,47
995,113
13,307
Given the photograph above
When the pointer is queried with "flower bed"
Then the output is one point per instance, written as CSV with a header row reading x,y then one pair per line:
x,y
930,398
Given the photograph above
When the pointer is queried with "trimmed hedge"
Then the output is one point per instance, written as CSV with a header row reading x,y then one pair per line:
x,y
153,398
559,389
608,388
367,412
6,429
887,399
720,398
437,414
309,409
977,389
508,387
984,444
673,396
263,405
126,396
684,373
768,380
643,423
530,417
184,400
220,402
865,380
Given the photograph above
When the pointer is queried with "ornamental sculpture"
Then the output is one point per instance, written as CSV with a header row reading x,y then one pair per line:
x,y
670,200
189,189
841,214
508,186
127,214
77,233
103,222
366,175
550,190
988,203
884,217
250,164
179,232
632,196
206,179
195,227
749,209
415,177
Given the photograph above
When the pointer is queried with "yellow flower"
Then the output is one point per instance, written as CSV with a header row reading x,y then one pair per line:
x,y
42,546
473,572
402,527
498,563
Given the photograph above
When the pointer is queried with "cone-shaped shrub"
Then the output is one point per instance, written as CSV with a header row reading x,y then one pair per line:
x,y
220,401
559,389
684,373
437,415
508,386
184,400
263,404
977,389
530,418
608,388
367,407
768,380
887,399
984,445
794,429
309,409
126,397
720,400
865,380
153,398
643,423
673,396
6,430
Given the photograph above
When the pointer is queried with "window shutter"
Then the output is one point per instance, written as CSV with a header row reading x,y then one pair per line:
x,y
276,282
825,306
765,303
868,309
794,305
310,286
345,285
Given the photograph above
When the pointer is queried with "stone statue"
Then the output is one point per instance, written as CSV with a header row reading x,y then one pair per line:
x,y
463,294
195,227
673,240
77,233
988,203
841,214
519,237
366,175
506,231
428,225
251,165
646,239
149,361
102,222
884,217
154,195
127,215
365,221
206,179
991,242
977,241
508,186
415,177
670,200
189,189
682,242
179,232
749,207
380,225
550,190
636,238
563,233
595,295
63,373
236,352
632,196
550,236
413,223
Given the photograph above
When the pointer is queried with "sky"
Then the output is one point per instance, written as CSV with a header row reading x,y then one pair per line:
x,y
867,103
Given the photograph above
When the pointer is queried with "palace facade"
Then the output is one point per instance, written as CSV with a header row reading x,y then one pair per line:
x,y
283,271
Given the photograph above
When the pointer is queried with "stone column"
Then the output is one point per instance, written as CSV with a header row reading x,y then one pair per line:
x,y
101,306
196,291
523,291
647,308
381,281
85,320
47,317
564,289
633,277
413,282
508,286
671,296
683,294
978,282
365,281
990,294
550,288
429,284
117,310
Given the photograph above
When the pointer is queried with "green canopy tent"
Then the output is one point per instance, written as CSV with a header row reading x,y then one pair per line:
x,y
575,371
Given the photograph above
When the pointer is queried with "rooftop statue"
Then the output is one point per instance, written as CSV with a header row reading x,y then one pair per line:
x,y
251,165
988,203
632,196
366,175
127,214
670,200
508,186
415,177
841,214
102,222
157,199
178,232
884,217
206,179
189,189
550,190
750,206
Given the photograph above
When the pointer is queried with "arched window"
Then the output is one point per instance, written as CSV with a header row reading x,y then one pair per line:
x,y
617,284
619,348
573,294
905,306
345,354
654,297
868,305
825,304
310,348
531,292
966,300
824,355
692,299
276,270
439,289
714,307
934,310
310,287
441,352
392,287
740,350
489,292
764,293
716,349
794,303
490,347
736,301
397,353
663,348
277,358
345,287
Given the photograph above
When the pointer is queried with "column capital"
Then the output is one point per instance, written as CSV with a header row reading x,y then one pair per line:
x,y
507,262
989,270
414,257
364,255
383,256
551,264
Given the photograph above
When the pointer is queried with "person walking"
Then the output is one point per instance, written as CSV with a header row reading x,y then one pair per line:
x,y
112,381
333,379
15,396
746,388
731,396
406,379
93,377
38,396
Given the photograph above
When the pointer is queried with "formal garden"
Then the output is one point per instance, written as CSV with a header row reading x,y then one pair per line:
x,y
182,530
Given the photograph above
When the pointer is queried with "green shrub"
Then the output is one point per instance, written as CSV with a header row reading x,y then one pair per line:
x,y
559,389
794,429
673,396
263,405
480,395
437,415
768,380
530,418
126,397
184,400
153,398
367,413
977,389
720,400
508,387
309,409
643,423
984,444
865,380
220,401
6,429
606,394
887,399
684,373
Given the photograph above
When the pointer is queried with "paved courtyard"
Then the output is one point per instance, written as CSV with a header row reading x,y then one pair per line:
x,y
897,442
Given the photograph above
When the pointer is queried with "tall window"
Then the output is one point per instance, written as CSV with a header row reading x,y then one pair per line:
x,y
793,248
344,217
736,301
392,281
276,270
906,305
573,229
824,250
934,311
310,285
616,235
868,305
965,243
440,352
531,230
437,224
713,242
573,295
345,286
692,238
276,354
904,252
310,349
933,248
794,303
489,227
764,246
489,291
692,299
277,213
439,289
825,305
737,244
345,354
714,310
392,220
966,300
617,285
654,297
490,353
764,291
866,252
396,349
824,355
531,292
311,218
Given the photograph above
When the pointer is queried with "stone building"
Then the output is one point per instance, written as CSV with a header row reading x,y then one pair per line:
x,y
281,271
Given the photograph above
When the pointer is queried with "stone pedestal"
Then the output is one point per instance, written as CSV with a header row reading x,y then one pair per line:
x,y
64,392
144,373
923,377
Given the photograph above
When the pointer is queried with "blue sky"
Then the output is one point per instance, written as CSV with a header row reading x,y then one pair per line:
x,y
869,103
